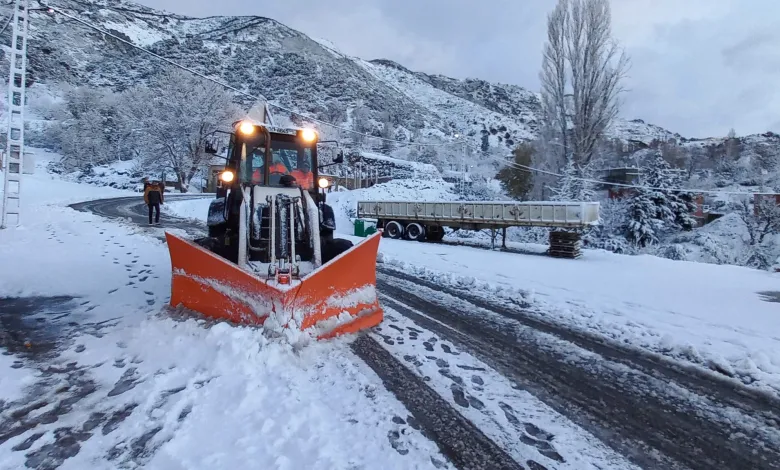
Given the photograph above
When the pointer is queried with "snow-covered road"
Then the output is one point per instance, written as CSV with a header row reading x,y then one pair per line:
x,y
461,442
694,417
99,372
629,400
96,371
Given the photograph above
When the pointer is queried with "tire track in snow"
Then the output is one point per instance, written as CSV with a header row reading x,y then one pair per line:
x,y
520,423
725,391
627,409
459,439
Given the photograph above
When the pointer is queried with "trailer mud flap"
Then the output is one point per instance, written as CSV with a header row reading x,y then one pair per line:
x,y
339,297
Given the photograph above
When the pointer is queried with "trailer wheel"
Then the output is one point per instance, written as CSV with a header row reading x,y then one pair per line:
x,y
394,230
415,232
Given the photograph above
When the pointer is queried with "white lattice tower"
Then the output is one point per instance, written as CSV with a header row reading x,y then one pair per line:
x,y
14,155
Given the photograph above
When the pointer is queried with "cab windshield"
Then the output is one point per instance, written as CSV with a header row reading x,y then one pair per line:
x,y
287,159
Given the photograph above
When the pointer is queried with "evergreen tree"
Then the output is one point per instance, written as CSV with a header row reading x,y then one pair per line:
x,y
567,187
387,132
515,180
485,144
655,208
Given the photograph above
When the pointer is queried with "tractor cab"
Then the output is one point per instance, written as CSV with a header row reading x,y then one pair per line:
x,y
268,196
260,155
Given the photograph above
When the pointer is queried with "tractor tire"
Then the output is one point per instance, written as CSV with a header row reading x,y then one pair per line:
x,y
333,247
394,230
414,232
217,230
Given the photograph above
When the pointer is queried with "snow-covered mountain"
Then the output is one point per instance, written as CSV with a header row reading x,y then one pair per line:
x,y
262,56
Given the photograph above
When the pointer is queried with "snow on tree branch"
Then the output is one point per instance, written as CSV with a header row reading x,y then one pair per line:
x,y
171,118
581,75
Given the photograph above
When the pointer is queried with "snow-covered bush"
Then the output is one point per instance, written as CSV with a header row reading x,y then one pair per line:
x,y
610,233
675,252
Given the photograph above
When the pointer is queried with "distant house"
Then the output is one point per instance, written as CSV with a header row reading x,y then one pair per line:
x,y
615,180
213,168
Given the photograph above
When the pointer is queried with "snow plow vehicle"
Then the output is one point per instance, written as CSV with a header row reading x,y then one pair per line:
x,y
270,257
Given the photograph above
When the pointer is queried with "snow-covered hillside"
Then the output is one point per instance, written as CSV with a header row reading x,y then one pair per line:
x,y
262,56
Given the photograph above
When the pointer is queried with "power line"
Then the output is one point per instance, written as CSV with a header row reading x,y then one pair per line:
x,y
384,139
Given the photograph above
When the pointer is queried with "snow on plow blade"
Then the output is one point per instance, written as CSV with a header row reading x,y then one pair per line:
x,y
339,297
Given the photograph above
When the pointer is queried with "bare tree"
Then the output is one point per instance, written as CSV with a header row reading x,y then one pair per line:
x,y
695,158
554,78
581,60
761,220
673,154
88,131
732,146
171,118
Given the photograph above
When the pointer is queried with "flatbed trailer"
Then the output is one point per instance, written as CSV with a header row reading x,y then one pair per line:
x,y
426,220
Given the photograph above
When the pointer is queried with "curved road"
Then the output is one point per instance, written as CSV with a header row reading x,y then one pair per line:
x,y
657,414
133,208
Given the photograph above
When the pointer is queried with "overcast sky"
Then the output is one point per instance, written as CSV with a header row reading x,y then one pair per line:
x,y
698,67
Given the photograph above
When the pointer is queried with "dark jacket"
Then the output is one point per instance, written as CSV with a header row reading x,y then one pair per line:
x,y
153,194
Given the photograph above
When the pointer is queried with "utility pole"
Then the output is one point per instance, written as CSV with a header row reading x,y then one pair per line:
x,y
14,155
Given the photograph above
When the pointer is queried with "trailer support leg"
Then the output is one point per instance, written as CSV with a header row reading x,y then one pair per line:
x,y
565,245
503,238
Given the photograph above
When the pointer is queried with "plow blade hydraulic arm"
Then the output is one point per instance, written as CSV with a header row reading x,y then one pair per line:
x,y
338,297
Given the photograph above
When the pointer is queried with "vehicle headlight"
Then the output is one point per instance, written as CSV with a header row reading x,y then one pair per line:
x,y
309,135
323,183
227,176
246,128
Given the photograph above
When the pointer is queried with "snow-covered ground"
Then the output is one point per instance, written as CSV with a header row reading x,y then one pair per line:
x,y
521,423
171,392
715,316
710,315
195,209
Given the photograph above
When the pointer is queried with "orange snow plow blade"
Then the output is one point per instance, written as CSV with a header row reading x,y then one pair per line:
x,y
337,298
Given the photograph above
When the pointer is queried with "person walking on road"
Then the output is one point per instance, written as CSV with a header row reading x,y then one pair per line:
x,y
153,197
